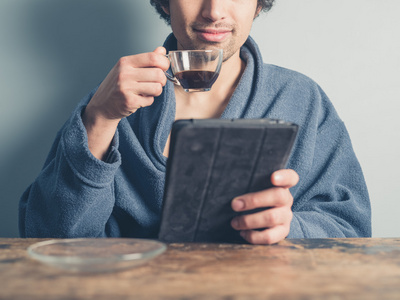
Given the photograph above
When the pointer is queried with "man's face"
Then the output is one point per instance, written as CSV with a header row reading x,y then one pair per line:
x,y
209,24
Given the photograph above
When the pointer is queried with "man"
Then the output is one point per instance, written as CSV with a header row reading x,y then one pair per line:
x,y
105,173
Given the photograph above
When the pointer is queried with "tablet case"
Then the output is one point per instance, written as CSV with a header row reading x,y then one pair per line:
x,y
210,162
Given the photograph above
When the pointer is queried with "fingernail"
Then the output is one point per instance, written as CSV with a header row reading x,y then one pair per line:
x,y
238,204
277,176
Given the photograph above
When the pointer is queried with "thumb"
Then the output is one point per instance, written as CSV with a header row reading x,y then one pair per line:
x,y
160,50
285,178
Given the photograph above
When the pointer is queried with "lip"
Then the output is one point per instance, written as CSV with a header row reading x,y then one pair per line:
x,y
212,35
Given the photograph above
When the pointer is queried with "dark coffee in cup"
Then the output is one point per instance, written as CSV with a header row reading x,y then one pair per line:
x,y
196,79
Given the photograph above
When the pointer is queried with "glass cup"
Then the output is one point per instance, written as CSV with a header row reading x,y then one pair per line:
x,y
195,70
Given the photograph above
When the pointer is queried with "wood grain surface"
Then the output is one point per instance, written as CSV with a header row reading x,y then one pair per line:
x,y
292,269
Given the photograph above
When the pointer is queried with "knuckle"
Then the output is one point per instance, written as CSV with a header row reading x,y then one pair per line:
x,y
253,201
159,89
248,236
290,199
144,101
154,58
155,89
270,218
122,79
296,177
123,61
282,196
149,101
267,237
164,81
161,77
290,216
158,76
241,222
138,102
286,231
260,237
280,193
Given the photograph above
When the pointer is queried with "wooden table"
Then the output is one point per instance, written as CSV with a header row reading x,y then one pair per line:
x,y
292,269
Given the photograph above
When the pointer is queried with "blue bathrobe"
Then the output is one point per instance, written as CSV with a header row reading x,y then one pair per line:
x,y
77,195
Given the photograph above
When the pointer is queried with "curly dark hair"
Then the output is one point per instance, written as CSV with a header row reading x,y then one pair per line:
x,y
158,4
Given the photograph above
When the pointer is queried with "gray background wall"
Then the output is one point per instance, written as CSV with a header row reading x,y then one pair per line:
x,y
52,52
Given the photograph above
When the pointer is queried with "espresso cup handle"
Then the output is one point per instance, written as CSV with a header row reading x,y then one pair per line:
x,y
170,77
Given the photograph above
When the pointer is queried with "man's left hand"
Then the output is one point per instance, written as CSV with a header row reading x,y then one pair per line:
x,y
272,224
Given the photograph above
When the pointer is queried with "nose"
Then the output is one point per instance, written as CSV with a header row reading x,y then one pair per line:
x,y
213,10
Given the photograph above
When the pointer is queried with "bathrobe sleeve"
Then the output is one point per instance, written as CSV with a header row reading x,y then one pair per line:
x,y
73,194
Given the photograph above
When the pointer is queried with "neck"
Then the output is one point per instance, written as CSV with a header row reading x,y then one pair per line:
x,y
211,104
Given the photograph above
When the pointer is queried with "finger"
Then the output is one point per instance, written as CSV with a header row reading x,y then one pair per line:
x,y
132,104
136,102
271,197
285,178
145,60
264,219
266,237
160,50
148,89
149,75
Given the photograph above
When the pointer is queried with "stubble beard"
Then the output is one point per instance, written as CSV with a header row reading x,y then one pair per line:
x,y
229,47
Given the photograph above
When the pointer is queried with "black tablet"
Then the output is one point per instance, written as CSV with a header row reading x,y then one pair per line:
x,y
212,161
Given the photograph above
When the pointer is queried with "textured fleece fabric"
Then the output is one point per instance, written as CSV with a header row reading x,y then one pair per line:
x,y
77,195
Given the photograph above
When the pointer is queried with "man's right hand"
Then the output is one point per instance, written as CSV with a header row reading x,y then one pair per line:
x,y
132,83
